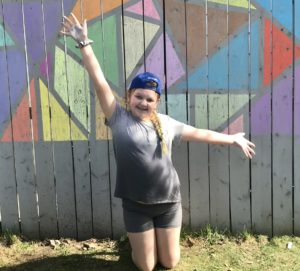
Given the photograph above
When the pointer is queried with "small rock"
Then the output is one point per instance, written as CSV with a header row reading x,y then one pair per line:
x,y
289,245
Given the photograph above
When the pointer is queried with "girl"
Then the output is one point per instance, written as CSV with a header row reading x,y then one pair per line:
x,y
147,182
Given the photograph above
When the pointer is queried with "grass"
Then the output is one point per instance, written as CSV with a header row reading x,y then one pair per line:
x,y
208,249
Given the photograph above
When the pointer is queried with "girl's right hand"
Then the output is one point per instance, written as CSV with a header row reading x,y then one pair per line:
x,y
74,29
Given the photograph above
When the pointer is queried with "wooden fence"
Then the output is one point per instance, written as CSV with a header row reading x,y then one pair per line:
x,y
227,65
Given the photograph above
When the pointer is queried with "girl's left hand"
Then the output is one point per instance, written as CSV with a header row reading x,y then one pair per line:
x,y
246,145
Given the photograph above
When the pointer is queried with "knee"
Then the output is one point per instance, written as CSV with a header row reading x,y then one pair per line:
x,y
170,262
145,264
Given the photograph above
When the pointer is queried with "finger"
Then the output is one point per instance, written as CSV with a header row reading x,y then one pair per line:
x,y
66,26
64,33
75,19
68,20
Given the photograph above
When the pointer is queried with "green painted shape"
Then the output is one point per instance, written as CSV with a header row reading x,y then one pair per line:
x,y
105,44
72,81
5,39
235,3
220,116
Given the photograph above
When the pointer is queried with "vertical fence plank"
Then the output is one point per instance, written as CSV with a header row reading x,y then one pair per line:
x,y
79,101
62,145
99,137
261,187
296,123
198,152
282,122
43,150
218,115
8,189
22,136
238,117
118,228
175,42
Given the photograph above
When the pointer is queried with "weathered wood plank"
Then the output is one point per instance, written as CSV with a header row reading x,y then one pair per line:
x,y
22,135
44,166
297,127
218,114
177,103
8,188
100,181
282,126
198,152
118,228
62,148
79,101
261,186
239,59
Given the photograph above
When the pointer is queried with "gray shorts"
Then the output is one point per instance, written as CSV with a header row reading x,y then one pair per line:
x,y
139,217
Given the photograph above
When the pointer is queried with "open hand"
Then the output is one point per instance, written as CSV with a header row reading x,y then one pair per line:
x,y
246,145
74,29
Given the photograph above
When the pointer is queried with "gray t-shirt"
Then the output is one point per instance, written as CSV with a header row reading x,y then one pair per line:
x,y
144,174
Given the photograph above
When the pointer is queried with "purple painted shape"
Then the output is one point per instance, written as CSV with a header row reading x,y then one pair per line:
x,y
261,116
4,94
16,75
282,110
13,19
46,66
34,31
282,107
155,61
174,66
297,102
34,23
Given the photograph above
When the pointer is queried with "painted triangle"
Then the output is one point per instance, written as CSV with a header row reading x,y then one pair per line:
x,y
149,9
21,125
58,128
282,51
5,39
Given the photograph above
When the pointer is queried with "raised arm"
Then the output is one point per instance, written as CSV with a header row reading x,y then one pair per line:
x,y
191,133
78,32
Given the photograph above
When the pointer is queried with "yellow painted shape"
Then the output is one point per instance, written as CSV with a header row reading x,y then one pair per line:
x,y
76,93
59,125
102,131
235,3
150,31
134,45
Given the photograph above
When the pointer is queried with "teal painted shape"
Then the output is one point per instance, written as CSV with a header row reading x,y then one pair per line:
x,y
282,12
238,68
5,39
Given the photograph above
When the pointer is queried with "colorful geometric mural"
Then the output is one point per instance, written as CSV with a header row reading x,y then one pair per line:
x,y
226,65
42,57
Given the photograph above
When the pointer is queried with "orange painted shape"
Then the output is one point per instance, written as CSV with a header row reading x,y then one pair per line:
x,y
92,9
21,121
282,50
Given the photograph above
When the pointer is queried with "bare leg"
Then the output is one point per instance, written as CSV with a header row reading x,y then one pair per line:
x,y
143,246
168,247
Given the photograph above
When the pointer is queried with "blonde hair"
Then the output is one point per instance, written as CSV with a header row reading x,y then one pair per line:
x,y
156,123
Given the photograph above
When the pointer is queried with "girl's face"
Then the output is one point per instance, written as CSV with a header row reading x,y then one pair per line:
x,y
142,103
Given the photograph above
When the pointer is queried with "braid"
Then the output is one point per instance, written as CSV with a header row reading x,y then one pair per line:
x,y
157,125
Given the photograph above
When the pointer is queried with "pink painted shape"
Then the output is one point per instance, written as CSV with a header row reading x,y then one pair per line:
x,y
237,126
150,10
155,62
46,66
